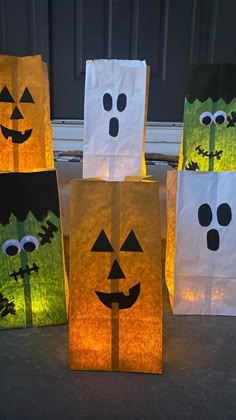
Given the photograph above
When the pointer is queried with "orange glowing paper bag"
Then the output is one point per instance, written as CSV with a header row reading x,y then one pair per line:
x,y
25,129
115,278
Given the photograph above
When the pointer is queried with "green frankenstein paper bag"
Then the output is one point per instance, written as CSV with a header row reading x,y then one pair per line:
x,y
32,281
210,119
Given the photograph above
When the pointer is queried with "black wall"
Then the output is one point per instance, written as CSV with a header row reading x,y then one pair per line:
x,y
168,34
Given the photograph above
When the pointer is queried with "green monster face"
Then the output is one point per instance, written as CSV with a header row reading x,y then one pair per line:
x,y
210,119
31,264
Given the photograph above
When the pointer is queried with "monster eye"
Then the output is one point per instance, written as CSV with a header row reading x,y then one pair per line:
x,y
11,247
29,243
219,117
206,118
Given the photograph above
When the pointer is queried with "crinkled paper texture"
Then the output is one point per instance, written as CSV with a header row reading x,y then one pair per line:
x,y
104,338
201,280
113,158
36,153
39,296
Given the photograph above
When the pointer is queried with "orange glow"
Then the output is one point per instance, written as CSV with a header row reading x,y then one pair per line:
x,y
25,128
108,268
190,295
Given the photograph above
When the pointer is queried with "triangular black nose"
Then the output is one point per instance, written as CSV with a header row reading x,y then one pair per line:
x,y
116,272
16,114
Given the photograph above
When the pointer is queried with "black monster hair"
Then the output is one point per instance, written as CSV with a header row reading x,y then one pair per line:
x,y
215,81
21,193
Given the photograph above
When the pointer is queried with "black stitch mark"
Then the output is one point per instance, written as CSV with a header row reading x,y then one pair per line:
x,y
231,119
48,233
218,154
192,166
224,216
210,155
23,271
6,307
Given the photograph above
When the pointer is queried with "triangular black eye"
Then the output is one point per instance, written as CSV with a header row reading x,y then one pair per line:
x,y
131,243
5,95
26,97
102,243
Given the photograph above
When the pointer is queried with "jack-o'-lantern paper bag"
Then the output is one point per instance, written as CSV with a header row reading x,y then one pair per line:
x,y
115,114
115,277
210,119
201,242
32,275
25,127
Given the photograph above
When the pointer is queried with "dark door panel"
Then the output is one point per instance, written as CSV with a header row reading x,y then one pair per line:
x,y
168,34
24,27
161,32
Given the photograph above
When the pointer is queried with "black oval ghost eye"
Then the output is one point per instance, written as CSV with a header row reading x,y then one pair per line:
x,y
29,243
204,215
206,118
107,101
219,117
121,102
224,214
11,247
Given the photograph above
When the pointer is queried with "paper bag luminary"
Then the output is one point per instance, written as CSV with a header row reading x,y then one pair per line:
x,y
115,276
25,129
115,318
201,242
115,113
210,119
32,287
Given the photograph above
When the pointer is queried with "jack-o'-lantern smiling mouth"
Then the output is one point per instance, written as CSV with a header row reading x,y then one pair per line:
x,y
124,301
17,136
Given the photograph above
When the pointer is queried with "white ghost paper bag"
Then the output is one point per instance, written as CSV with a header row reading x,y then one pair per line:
x,y
115,111
201,271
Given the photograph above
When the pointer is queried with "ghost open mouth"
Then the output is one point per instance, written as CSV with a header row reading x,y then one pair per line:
x,y
124,301
22,271
17,136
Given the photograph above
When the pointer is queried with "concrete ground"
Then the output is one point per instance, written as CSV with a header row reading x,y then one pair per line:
x,y
199,369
